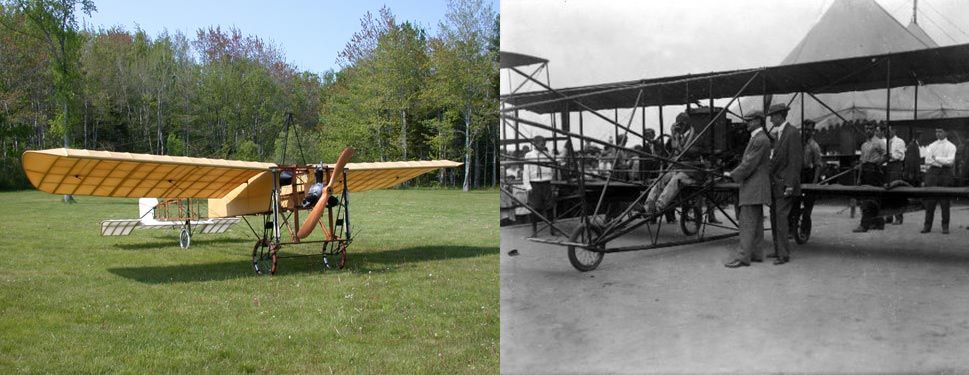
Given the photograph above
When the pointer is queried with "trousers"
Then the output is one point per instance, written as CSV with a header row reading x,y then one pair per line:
x,y
937,176
751,233
782,208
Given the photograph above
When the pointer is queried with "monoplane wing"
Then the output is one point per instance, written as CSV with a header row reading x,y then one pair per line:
x,y
121,174
253,197
383,175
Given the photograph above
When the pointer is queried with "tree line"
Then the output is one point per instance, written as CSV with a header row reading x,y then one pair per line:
x,y
399,93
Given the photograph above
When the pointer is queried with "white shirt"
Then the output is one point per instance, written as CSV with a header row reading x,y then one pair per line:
x,y
941,153
534,172
896,148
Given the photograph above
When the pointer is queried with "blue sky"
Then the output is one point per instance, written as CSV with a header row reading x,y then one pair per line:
x,y
311,33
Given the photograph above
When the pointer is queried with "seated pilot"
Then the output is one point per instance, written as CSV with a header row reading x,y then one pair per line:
x,y
662,193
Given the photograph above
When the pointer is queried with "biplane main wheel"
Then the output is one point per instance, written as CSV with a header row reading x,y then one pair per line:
x,y
265,257
184,238
802,232
582,259
335,258
691,218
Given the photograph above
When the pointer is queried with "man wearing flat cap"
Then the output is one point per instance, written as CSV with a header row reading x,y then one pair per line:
x,y
785,173
753,175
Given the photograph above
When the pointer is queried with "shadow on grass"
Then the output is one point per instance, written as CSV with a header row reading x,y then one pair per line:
x,y
291,264
173,243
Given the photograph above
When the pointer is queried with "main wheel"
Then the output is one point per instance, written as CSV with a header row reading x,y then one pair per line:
x,y
265,257
691,218
335,258
184,238
802,232
583,259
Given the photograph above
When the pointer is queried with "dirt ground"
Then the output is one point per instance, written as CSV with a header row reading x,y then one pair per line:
x,y
884,301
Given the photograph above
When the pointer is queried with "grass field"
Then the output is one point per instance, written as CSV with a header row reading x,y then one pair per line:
x,y
419,294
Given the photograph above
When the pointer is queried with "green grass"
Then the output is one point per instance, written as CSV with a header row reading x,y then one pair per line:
x,y
419,294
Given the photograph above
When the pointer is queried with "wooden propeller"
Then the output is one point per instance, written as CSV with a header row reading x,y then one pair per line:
x,y
314,217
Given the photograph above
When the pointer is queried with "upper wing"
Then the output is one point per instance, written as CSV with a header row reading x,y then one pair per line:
x,y
121,174
382,175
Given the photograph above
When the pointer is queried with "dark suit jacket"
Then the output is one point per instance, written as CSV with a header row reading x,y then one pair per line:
x,y
753,173
786,163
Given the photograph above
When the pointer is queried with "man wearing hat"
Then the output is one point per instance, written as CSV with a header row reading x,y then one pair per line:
x,y
872,155
786,178
753,175
662,193
810,173
940,157
537,180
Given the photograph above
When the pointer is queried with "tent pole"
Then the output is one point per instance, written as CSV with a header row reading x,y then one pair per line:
x,y
888,108
644,126
915,113
616,128
581,126
660,121
517,132
802,108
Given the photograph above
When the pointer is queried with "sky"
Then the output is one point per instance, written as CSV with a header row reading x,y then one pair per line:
x,y
310,33
590,42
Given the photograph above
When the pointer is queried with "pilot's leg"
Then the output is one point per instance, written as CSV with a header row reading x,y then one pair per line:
x,y
672,189
654,192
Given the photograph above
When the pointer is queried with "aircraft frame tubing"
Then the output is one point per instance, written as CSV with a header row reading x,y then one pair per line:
x,y
625,222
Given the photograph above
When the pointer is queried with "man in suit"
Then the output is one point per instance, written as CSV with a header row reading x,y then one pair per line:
x,y
785,170
753,175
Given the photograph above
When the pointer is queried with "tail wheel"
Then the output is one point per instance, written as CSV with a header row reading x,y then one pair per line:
x,y
691,218
184,238
265,257
584,259
337,257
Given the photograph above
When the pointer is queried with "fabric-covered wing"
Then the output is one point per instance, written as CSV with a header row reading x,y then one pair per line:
x,y
382,175
121,174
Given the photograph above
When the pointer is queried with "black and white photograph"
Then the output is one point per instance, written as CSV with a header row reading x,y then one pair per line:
x,y
734,186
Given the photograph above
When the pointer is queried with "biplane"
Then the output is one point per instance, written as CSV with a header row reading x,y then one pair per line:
x,y
278,193
589,191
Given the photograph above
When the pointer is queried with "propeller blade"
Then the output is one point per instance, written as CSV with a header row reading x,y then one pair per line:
x,y
314,217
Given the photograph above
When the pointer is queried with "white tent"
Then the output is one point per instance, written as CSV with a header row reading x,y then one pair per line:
x,y
852,28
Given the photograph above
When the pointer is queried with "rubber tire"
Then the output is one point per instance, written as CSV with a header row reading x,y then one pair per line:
x,y
258,257
184,239
574,257
802,233
341,256
685,221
